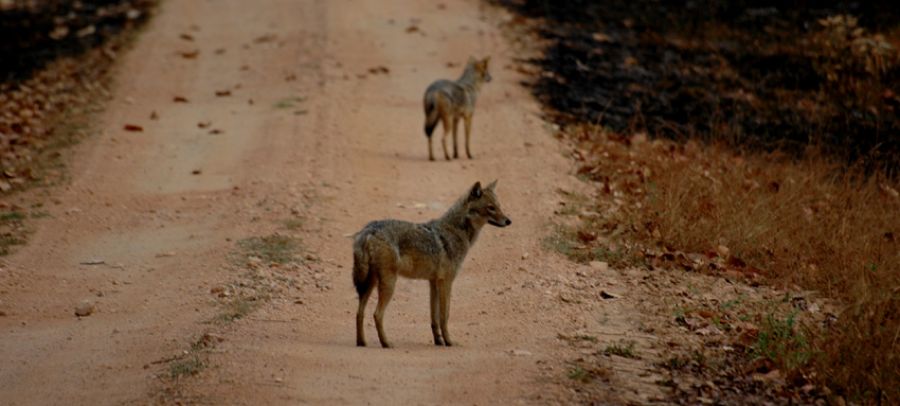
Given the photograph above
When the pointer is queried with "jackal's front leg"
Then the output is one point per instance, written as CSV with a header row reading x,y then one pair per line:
x,y
444,294
455,126
435,313
468,123
444,142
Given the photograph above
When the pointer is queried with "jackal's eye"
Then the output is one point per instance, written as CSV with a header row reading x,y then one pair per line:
x,y
492,209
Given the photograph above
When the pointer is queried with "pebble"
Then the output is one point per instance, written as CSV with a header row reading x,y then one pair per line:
x,y
599,265
608,295
84,309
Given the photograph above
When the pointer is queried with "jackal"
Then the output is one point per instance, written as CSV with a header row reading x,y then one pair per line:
x,y
448,101
433,251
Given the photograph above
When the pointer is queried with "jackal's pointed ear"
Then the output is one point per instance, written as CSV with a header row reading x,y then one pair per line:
x,y
485,61
492,185
475,193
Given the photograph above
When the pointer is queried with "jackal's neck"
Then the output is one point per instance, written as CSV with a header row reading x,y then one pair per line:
x,y
457,218
469,78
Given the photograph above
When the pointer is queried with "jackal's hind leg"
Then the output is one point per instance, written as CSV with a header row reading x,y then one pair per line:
x,y
385,292
361,311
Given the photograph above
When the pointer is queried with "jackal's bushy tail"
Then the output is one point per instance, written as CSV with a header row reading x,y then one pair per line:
x,y
431,113
361,263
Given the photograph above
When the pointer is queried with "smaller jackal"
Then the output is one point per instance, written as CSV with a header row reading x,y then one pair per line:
x,y
433,251
448,101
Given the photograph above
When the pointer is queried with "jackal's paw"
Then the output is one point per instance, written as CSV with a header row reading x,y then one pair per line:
x,y
438,341
360,343
387,345
448,343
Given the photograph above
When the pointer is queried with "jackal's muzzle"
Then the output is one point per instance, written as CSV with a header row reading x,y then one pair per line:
x,y
502,223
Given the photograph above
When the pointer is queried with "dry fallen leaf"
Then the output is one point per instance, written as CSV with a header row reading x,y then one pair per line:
x,y
186,37
223,93
59,32
133,127
888,190
204,124
84,32
180,99
600,37
190,54
586,236
264,38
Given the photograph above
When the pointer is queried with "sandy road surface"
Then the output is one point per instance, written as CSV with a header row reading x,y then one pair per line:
x,y
307,132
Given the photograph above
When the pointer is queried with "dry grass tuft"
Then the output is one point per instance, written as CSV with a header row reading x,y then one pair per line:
x,y
805,222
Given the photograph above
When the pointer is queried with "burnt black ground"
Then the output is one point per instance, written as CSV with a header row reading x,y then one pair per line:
x,y
27,30
742,72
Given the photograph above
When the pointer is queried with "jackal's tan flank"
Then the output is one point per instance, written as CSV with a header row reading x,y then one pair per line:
x,y
434,251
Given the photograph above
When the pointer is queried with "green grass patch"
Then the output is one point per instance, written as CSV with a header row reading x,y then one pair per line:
x,y
235,310
274,248
188,366
12,231
781,341
12,216
289,102
294,224
7,242
579,374
622,348
571,243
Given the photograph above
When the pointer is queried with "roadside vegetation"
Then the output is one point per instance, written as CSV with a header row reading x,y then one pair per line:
x,y
56,60
757,144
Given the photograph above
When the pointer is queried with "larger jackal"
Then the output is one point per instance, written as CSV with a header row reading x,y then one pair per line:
x,y
433,251
448,101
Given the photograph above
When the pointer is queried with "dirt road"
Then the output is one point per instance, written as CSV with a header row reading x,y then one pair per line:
x,y
149,223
